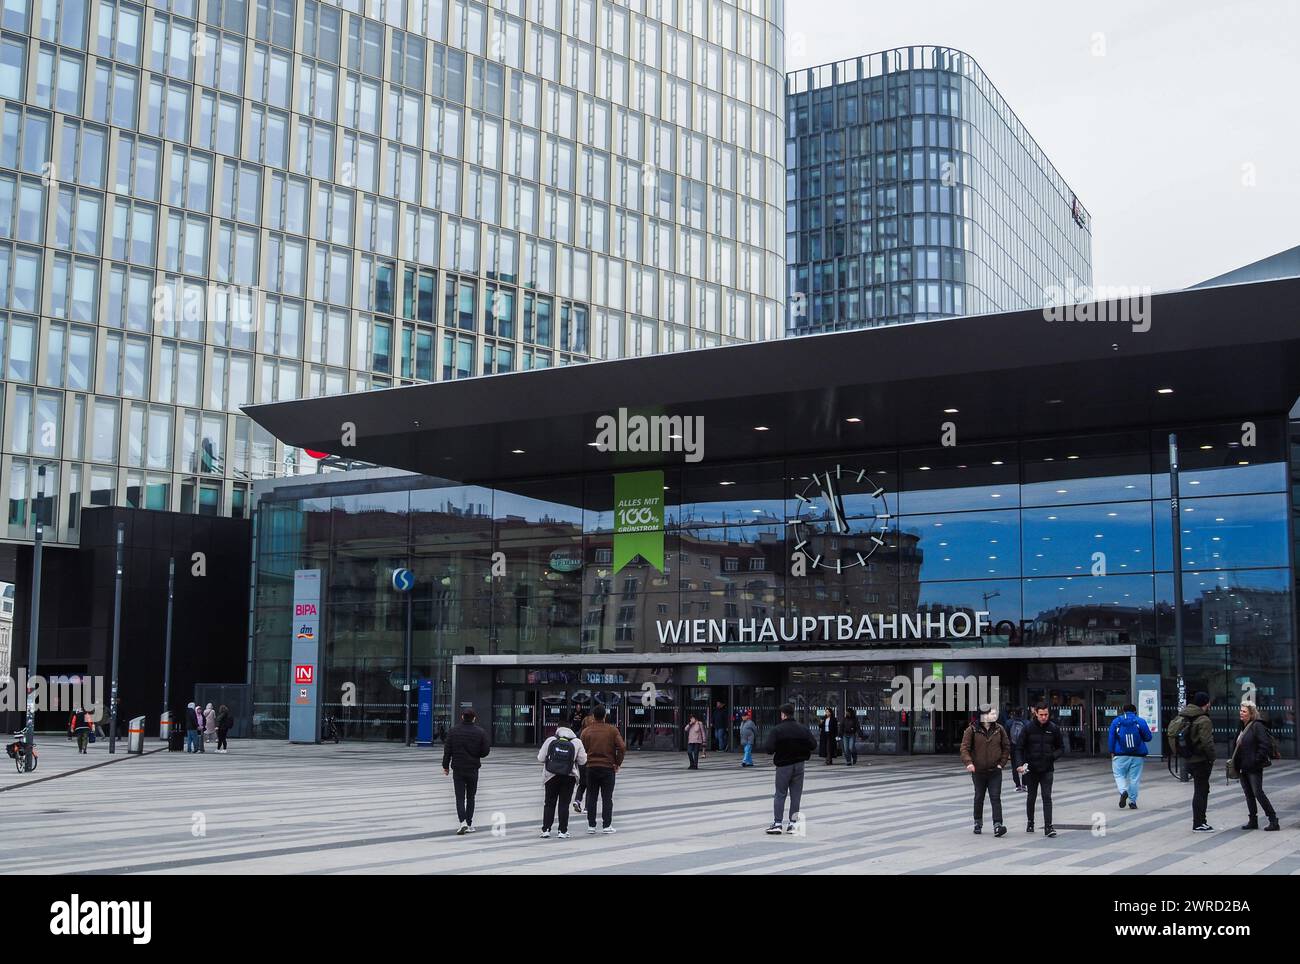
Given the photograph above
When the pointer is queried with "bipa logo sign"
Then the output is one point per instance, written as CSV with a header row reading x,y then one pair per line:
x,y
304,675
304,609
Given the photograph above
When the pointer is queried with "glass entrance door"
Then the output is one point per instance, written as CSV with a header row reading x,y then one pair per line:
x,y
1106,706
877,720
514,717
651,720
555,712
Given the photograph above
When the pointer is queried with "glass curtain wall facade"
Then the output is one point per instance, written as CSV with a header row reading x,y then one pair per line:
x,y
914,192
210,203
1065,541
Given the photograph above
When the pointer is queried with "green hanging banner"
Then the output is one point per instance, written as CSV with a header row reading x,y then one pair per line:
x,y
639,518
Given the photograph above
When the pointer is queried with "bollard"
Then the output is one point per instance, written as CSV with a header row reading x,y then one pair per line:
x,y
135,735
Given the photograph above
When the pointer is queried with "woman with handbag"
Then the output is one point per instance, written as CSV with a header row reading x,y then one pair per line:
x,y
1253,752
695,740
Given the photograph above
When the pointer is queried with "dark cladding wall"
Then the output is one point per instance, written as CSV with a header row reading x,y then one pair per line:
x,y
210,622
1019,529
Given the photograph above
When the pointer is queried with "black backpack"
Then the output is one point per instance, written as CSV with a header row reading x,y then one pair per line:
x,y
560,756
1183,738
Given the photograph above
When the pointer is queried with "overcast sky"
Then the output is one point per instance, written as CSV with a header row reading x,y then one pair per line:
x,y
1157,114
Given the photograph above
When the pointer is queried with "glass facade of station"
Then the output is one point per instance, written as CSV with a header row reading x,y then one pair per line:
x,y
206,204
1065,542
913,191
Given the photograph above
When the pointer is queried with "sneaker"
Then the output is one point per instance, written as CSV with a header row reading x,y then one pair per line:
x,y
1029,827
609,829
978,829
1021,789
591,828
1049,831
546,834
789,828
1123,799
470,828
1203,828
1000,830
562,835
462,829
1132,804
775,828
577,807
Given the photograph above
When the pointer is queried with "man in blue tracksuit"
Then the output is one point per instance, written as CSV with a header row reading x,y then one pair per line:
x,y
1129,736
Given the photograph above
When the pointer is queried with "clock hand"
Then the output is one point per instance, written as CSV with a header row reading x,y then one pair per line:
x,y
833,500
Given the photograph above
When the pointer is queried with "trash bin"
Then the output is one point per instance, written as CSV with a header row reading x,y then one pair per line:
x,y
135,735
165,726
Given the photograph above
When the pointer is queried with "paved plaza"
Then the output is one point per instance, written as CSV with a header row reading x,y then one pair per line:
x,y
270,808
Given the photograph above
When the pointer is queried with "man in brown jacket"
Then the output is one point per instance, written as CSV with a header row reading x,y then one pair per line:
x,y
986,749
605,751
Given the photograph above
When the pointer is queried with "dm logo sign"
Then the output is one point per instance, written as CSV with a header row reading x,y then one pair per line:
x,y
403,580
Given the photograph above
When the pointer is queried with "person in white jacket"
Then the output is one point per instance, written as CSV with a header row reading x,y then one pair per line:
x,y
561,755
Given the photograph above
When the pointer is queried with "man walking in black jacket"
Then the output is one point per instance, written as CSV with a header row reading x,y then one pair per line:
x,y
463,751
1040,746
791,744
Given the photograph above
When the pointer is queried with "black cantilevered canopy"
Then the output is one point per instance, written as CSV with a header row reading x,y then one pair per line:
x,y
1226,352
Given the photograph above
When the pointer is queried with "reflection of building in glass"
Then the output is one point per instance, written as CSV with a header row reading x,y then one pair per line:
x,y
1245,617
6,625
1076,624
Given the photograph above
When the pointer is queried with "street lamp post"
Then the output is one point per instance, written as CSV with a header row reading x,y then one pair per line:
x,y
117,635
1176,517
29,734
167,653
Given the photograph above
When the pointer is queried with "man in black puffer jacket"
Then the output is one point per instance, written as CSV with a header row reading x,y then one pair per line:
x,y
1039,746
791,744
463,751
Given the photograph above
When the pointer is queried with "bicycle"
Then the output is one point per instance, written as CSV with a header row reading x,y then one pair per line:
x,y
330,731
17,750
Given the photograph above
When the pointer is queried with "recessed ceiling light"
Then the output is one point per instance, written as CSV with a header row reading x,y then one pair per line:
x,y
1206,448
999,462
726,483
854,420
594,445
1072,457
924,468
950,411
516,451
760,428
1055,401
1164,391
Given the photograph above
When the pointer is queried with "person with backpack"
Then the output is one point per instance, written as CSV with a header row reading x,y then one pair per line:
x,y
1016,726
1253,751
1191,734
1128,739
560,756
791,745
849,731
695,740
748,734
462,756
81,728
192,744
605,752
1041,746
224,724
986,750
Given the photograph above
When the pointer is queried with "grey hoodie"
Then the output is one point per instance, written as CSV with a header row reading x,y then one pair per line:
x,y
568,734
748,733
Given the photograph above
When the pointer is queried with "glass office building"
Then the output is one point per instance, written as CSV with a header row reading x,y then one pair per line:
x,y
1039,551
206,204
913,192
